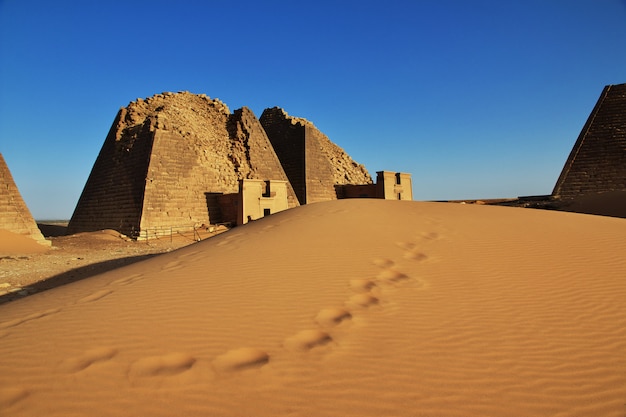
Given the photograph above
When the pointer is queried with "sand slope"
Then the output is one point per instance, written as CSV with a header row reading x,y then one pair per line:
x,y
352,307
14,243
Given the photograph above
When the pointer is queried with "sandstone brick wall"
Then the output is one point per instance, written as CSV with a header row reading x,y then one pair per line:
x,y
597,162
14,214
313,164
113,195
253,154
287,139
319,171
166,159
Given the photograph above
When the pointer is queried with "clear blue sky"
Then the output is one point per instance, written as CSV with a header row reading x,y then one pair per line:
x,y
477,99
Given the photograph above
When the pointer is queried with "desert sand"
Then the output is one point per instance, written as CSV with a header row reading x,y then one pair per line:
x,y
344,308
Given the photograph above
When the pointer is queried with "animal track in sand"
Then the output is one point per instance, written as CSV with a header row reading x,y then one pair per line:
x,y
95,296
127,280
30,317
88,358
11,395
332,316
165,365
307,340
240,359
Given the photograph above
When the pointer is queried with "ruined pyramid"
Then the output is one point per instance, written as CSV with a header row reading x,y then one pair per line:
x,y
14,214
168,160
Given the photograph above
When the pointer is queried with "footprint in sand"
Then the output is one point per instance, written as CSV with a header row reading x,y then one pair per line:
x,y
127,280
362,285
383,262
430,236
411,251
87,359
391,276
11,395
95,296
30,317
415,255
307,340
240,359
165,365
363,300
332,316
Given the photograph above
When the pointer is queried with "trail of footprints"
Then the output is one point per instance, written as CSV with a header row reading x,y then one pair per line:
x,y
364,293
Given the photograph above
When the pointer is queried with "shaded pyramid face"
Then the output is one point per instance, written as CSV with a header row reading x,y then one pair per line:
x,y
313,164
14,214
597,162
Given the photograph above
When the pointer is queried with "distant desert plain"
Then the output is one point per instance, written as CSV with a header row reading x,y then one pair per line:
x,y
357,307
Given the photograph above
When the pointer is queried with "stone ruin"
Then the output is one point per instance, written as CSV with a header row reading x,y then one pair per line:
x,y
14,214
179,160
597,162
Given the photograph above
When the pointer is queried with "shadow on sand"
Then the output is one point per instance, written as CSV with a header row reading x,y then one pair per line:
x,y
73,275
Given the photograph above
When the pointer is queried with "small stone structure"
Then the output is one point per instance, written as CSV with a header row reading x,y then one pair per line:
x,y
389,186
259,198
14,214
597,162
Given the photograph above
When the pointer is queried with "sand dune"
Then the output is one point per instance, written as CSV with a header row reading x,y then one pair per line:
x,y
13,243
351,307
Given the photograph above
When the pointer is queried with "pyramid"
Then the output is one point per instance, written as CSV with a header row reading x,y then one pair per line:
x,y
14,214
168,160
597,162
315,166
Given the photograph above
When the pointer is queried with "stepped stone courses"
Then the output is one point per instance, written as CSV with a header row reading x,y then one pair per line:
x,y
597,162
175,159
315,166
14,214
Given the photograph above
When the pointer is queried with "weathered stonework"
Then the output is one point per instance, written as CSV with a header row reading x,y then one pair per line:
x,y
597,162
314,165
171,160
14,214
389,186
258,198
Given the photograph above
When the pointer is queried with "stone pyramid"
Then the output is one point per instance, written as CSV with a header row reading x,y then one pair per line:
x,y
168,159
14,214
597,162
314,165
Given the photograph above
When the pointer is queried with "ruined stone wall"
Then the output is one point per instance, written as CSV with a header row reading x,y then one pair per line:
x,y
597,162
166,159
14,214
113,195
319,171
258,196
287,139
253,154
312,162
